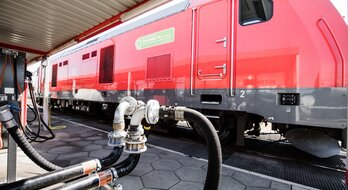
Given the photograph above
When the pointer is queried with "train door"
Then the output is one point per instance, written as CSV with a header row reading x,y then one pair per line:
x,y
212,45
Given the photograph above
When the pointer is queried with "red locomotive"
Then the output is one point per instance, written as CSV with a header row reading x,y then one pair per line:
x,y
239,62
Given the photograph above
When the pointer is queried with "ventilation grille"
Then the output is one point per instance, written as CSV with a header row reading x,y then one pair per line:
x,y
54,75
158,68
106,65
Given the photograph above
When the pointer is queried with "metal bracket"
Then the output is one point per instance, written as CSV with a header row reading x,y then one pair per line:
x,y
224,40
223,67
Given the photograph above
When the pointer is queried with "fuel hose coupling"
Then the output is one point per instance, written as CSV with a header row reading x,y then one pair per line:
x,y
127,106
6,117
154,112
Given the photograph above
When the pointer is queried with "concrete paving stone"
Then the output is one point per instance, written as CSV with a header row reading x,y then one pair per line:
x,y
42,150
228,183
169,155
108,147
99,153
62,149
298,188
80,160
251,180
50,144
280,186
187,185
125,156
192,162
61,163
191,174
85,135
141,169
257,188
28,170
92,147
101,142
148,157
152,150
166,164
94,138
150,189
75,139
82,143
50,156
130,182
71,156
224,171
159,179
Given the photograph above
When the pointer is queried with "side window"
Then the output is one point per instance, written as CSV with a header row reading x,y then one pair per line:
x,y
255,11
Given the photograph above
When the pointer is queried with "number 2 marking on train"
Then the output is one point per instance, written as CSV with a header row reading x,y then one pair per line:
x,y
242,94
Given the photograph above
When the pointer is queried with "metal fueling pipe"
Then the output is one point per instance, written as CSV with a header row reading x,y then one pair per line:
x,y
127,106
135,139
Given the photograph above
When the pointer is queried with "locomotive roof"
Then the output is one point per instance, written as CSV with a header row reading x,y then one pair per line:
x,y
158,13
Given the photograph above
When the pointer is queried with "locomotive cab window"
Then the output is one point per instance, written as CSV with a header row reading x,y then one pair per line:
x,y
255,11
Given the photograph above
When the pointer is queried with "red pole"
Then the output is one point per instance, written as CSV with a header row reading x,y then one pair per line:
x,y
24,105
347,143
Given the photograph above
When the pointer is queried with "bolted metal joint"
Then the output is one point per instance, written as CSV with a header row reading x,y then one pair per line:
x,y
179,113
135,144
167,113
116,138
135,140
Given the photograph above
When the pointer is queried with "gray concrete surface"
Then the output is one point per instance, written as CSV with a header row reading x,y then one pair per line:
x,y
158,168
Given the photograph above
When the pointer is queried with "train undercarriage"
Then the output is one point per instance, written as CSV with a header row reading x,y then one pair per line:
x,y
231,126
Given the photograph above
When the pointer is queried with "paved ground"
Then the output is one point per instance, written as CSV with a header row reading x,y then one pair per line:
x,y
158,168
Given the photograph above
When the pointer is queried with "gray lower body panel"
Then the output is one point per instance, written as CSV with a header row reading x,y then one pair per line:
x,y
324,107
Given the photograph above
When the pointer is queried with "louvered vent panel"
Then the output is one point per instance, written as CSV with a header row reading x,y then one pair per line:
x,y
106,65
54,75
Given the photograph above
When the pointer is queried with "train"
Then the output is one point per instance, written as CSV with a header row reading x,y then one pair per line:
x,y
239,62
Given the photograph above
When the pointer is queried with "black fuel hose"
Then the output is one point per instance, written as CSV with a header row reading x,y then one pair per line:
x,y
128,165
29,150
210,136
112,157
88,182
34,112
102,178
65,174
51,178
214,147
40,120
